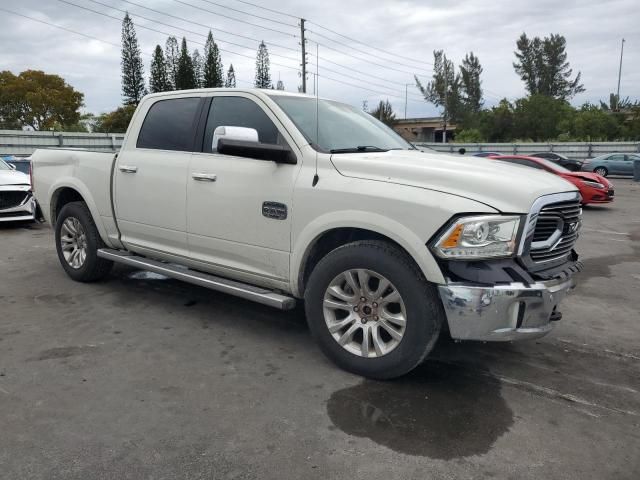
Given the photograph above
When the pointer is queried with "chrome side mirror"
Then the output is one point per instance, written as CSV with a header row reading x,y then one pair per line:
x,y
243,134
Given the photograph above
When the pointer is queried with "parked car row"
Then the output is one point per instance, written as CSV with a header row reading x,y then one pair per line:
x,y
593,188
603,165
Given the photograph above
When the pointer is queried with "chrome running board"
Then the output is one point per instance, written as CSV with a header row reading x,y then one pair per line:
x,y
242,290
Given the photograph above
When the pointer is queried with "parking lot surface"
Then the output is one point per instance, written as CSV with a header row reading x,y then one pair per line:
x,y
140,376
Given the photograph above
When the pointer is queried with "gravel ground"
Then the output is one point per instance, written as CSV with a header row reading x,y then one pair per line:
x,y
144,377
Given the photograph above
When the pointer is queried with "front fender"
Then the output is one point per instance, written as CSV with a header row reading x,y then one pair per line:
x,y
374,222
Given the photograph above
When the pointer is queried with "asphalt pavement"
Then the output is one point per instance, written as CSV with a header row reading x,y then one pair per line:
x,y
140,376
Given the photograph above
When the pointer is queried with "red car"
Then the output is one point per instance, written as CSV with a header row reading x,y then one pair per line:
x,y
594,188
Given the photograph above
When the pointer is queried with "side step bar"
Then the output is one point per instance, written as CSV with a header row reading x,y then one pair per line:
x,y
243,290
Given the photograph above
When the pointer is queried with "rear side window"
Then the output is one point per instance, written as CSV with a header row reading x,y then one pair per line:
x,y
239,112
169,125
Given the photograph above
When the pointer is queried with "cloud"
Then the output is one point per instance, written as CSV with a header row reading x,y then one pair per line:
x,y
412,29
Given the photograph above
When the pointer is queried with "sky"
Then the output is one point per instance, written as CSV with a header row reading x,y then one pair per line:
x,y
388,42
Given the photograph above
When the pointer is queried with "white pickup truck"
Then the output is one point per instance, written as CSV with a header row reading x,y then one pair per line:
x,y
276,197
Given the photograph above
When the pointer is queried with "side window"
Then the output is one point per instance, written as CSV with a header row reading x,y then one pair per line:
x,y
239,112
169,125
616,158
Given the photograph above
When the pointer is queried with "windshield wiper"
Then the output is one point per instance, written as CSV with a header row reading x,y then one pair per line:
x,y
359,148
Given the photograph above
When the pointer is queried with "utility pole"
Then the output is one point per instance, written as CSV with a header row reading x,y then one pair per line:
x,y
406,86
304,57
620,72
446,87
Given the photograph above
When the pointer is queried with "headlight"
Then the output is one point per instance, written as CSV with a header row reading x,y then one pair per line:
x,y
593,184
471,238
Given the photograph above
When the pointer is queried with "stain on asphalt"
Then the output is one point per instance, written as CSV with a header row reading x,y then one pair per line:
x,y
601,266
64,352
440,411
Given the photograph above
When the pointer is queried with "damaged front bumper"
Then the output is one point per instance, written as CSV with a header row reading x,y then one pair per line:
x,y
505,312
17,203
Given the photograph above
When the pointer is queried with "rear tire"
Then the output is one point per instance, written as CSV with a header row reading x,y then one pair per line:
x,y
77,244
602,171
406,315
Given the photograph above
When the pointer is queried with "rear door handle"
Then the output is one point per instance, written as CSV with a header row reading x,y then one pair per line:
x,y
204,177
128,169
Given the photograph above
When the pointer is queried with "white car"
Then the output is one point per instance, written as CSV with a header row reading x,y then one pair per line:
x,y
16,201
279,197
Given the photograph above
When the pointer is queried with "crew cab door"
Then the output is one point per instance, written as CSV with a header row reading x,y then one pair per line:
x,y
150,177
228,228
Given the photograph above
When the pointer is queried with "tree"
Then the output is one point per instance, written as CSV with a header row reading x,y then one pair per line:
x,y
171,55
444,88
213,71
230,82
133,88
471,135
616,104
196,59
116,121
158,79
263,75
185,77
37,100
543,67
384,113
591,123
470,72
540,117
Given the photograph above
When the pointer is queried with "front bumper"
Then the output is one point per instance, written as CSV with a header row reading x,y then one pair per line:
x,y
503,313
25,210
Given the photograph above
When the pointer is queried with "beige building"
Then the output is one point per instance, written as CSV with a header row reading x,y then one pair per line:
x,y
427,129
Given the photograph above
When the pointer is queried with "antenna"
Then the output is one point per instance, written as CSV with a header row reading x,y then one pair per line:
x,y
316,177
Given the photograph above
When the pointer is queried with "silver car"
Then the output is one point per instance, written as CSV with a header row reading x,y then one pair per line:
x,y
611,164
16,200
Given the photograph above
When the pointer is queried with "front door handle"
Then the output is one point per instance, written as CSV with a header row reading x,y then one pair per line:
x,y
204,177
128,169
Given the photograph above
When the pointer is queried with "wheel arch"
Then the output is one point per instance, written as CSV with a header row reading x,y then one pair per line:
x,y
67,192
314,244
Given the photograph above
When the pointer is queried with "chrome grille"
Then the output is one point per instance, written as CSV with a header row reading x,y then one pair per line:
x,y
556,231
12,199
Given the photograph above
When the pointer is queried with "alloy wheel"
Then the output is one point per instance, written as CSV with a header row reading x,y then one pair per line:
x,y
364,313
73,242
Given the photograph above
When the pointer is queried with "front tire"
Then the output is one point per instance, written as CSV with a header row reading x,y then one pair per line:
x,y
371,310
77,244
603,172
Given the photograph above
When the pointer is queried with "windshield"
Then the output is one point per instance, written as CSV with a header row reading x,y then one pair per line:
x,y
4,166
342,128
552,165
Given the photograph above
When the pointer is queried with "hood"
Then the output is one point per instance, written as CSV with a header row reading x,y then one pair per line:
x,y
503,186
13,177
590,176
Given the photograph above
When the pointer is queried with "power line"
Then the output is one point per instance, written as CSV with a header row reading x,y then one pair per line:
x,y
206,26
386,94
250,14
169,34
356,78
365,44
269,9
368,53
364,59
91,37
61,28
234,19
361,72
185,29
